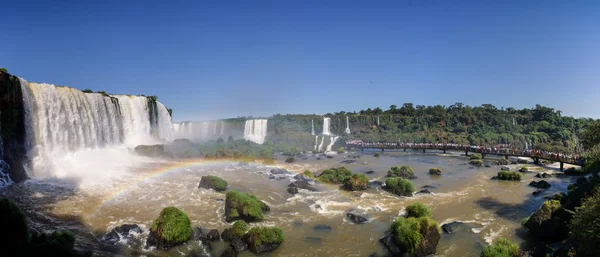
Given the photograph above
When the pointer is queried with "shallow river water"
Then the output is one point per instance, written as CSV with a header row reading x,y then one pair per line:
x,y
489,208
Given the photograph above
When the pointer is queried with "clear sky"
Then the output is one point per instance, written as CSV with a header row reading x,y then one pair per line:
x,y
221,59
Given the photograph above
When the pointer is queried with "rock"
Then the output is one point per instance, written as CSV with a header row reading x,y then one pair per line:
x,y
123,231
277,177
428,186
426,248
279,171
457,227
541,184
302,185
318,158
447,228
229,252
487,165
213,182
550,223
524,169
376,183
180,229
347,161
303,177
14,225
543,175
369,172
227,235
356,182
206,235
356,218
318,207
322,228
239,245
504,168
292,190
312,239
330,154
424,191
494,177
244,206
264,239
152,151
539,191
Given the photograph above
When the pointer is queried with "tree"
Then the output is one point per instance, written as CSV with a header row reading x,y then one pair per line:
x,y
585,227
591,135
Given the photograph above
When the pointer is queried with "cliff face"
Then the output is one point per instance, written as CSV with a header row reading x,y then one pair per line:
x,y
12,126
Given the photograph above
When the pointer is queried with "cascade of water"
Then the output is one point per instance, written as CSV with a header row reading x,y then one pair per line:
x,y
332,141
316,142
377,121
347,125
326,126
312,125
222,128
321,144
255,130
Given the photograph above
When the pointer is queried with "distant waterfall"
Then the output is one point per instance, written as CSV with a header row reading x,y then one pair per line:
x,y
222,128
326,126
377,121
332,141
256,130
321,144
316,143
312,125
347,125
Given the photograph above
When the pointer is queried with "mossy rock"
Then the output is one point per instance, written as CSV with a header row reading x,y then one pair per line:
x,y
435,171
476,163
341,150
308,174
509,175
501,248
376,155
522,161
171,228
213,182
405,172
264,239
476,156
244,206
413,237
418,210
399,186
334,175
14,224
356,182
290,159
550,222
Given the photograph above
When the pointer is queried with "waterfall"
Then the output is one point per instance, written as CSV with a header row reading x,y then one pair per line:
x,y
377,121
326,125
222,128
332,141
63,124
321,144
4,177
256,130
347,125
316,142
312,125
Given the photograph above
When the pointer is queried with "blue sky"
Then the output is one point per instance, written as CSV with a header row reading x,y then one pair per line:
x,y
221,59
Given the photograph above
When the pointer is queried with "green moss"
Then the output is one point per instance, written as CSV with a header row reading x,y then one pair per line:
x,y
399,186
290,159
308,174
435,171
335,175
522,161
477,163
476,156
12,219
524,169
263,235
410,232
501,248
341,150
418,210
244,204
403,172
3,70
172,225
524,221
544,213
219,183
356,182
509,175
87,91
376,155
239,228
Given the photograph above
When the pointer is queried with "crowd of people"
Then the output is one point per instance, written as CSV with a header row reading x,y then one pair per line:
x,y
500,149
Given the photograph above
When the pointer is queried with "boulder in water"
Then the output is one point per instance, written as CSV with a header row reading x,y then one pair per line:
x,y
279,171
425,245
213,182
239,245
376,183
264,239
357,218
206,235
550,223
244,206
543,175
369,172
322,228
428,186
347,161
15,234
356,182
302,185
171,228
330,154
424,191
504,168
292,190
121,232
540,184
152,151
229,252
537,192
312,239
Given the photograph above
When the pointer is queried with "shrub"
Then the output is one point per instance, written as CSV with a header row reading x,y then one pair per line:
x,y
477,163
335,175
403,172
502,162
399,186
258,236
572,171
356,182
308,174
3,70
524,169
172,225
341,150
239,228
501,248
418,210
410,232
102,93
243,206
522,161
290,159
376,155
509,175
213,182
476,156
435,171
87,91
585,226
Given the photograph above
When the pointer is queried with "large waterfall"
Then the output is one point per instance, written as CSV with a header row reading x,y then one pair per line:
x,y
347,125
256,130
67,129
200,131
326,126
312,127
